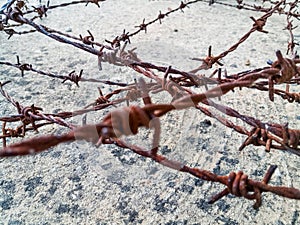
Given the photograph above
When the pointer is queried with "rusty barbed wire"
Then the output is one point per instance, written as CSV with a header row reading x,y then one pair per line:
x,y
125,36
111,54
72,76
241,4
291,44
148,65
152,66
156,88
12,32
126,120
41,10
26,118
192,100
30,117
258,25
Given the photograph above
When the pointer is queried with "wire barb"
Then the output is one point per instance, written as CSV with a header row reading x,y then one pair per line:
x,y
186,89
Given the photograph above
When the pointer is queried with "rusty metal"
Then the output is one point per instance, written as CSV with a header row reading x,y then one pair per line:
x,y
125,121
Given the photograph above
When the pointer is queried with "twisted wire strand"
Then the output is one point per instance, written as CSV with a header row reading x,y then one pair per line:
x,y
257,26
129,119
237,184
72,76
31,113
126,121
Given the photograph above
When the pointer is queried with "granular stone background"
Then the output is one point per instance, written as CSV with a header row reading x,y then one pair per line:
x,y
78,183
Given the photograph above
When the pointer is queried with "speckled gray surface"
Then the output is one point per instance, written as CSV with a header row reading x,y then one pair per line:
x,y
80,184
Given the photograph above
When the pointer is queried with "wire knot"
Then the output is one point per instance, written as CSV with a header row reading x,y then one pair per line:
x,y
182,6
29,110
287,67
88,40
238,185
25,67
208,61
42,10
292,97
169,85
73,77
290,137
259,24
15,14
143,26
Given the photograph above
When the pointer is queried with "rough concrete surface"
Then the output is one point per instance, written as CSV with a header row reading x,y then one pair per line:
x,y
78,183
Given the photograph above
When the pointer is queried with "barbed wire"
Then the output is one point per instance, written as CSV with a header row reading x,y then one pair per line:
x,y
126,120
